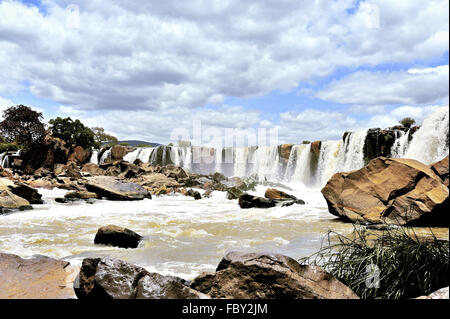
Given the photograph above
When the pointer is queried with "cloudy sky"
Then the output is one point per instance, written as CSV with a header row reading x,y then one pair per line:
x,y
310,68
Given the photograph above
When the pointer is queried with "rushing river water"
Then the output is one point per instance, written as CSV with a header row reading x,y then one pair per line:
x,y
183,237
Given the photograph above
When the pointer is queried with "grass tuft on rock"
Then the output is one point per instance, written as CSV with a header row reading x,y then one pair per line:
x,y
407,266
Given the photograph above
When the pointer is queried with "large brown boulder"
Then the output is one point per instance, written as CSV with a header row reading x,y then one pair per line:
x,y
272,193
112,189
247,201
36,278
9,201
21,190
117,236
392,191
441,169
79,155
269,276
115,279
285,152
119,151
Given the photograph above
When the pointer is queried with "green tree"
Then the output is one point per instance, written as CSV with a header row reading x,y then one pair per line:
x,y
306,142
408,122
101,137
72,132
23,126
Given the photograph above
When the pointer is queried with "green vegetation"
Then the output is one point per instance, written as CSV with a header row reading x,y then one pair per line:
x,y
409,267
142,145
124,144
306,142
408,122
102,138
22,126
8,147
72,132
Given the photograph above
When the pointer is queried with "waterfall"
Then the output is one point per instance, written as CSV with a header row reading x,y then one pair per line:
x,y
240,161
351,154
105,156
328,161
94,157
400,145
265,162
431,142
302,172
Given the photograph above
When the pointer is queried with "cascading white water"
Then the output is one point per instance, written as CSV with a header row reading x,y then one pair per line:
x,y
105,156
241,161
265,162
401,144
94,157
328,161
351,154
302,172
431,142
294,156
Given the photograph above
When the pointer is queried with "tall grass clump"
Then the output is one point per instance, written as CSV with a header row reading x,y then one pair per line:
x,y
407,267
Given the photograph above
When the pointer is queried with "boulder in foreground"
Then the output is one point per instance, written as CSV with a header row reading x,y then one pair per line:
x,y
269,276
117,236
249,201
391,191
112,189
115,279
36,278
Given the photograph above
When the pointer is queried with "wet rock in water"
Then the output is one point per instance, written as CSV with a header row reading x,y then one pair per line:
x,y
36,278
115,279
21,190
171,171
269,276
249,201
441,169
112,189
81,195
156,286
234,193
117,236
158,181
391,191
292,202
272,193
196,195
10,202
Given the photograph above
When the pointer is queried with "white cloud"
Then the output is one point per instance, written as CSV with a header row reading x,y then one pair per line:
x,y
415,87
160,55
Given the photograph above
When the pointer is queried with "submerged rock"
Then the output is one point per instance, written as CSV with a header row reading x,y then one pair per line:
x,y
37,278
81,195
249,201
196,195
269,276
272,193
117,236
115,279
112,189
391,191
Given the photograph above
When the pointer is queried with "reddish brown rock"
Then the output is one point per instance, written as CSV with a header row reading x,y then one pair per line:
x,y
79,155
269,276
36,278
441,169
392,191
272,193
93,169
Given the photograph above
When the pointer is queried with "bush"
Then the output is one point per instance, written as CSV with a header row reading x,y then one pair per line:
x,y
72,132
124,144
408,122
23,126
306,142
8,147
102,138
409,267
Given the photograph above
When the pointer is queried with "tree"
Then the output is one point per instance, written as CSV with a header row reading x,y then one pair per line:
x,y
306,142
408,122
72,132
23,126
102,138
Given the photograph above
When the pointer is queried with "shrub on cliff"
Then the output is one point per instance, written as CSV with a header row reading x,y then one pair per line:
x,y
408,122
102,138
72,132
394,264
23,126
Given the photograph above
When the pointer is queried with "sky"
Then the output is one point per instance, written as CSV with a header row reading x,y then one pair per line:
x,y
306,69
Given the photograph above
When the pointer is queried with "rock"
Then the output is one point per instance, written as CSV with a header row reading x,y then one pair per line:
x,y
440,294
391,191
43,183
285,152
53,151
269,276
109,187
249,201
93,169
234,193
272,193
156,286
69,170
293,202
441,169
171,171
79,155
36,278
157,181
196,195
115,279
119,151
118,237
27,192
81,195
42,172
113,171
315,148
9,201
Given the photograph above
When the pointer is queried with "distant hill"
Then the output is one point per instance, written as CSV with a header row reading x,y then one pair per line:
x,y
134,143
